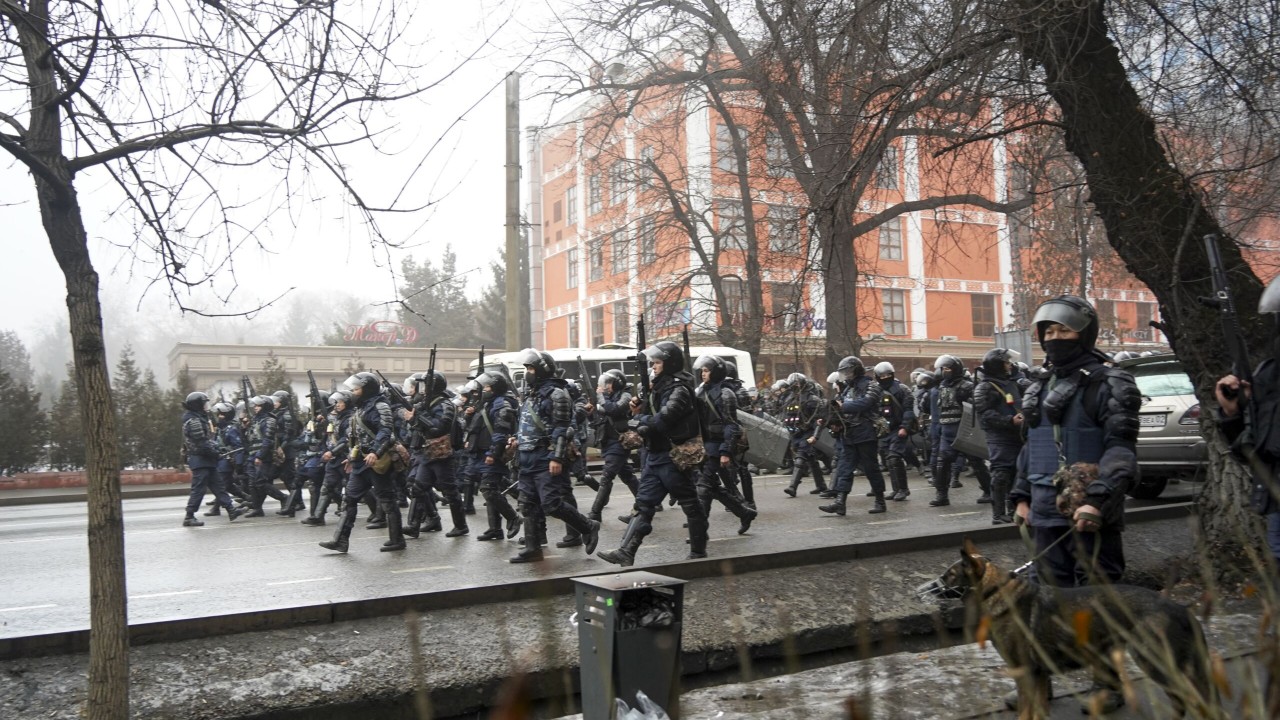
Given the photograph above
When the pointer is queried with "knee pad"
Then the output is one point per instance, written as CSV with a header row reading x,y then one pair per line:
x,y
693,508
896,463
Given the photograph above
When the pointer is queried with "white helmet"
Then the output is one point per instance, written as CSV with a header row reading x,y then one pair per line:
x,y
884,368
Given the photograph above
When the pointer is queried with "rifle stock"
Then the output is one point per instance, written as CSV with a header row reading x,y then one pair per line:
x,y
1226,306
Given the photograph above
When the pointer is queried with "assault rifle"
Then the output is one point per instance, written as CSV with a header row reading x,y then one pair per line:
x,y
642,362
1226,307
474,403
585,378
399,399
431,379
480,366
246,389
318,402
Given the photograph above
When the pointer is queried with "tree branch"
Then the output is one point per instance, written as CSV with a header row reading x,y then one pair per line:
x,y
181,136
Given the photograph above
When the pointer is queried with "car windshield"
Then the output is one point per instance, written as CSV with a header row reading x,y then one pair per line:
x,y
1162,380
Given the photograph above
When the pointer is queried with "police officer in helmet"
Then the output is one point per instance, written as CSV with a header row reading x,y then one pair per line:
x,y
1084,414
202,457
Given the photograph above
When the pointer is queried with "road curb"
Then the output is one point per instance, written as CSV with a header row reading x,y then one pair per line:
x,y
77,640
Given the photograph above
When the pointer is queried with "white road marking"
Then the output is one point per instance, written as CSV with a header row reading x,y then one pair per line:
x,y
78,521
889,522
280,545
26,607
740,537
809,530
422,569
295,582
168,594
962,514
32,540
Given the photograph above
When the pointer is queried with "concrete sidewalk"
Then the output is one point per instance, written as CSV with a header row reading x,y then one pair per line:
x,y
39,496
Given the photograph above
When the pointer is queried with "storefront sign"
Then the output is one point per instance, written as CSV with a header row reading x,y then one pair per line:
x,y
381,332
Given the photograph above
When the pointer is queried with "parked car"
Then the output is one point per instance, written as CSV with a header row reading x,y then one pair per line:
x,y
1169,441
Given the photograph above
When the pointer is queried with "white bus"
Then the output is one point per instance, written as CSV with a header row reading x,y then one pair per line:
x,y
622,357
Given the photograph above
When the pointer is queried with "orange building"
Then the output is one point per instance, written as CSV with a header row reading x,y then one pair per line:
x,y
608,243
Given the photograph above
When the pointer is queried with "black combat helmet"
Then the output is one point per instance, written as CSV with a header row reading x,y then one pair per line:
x,y
884,370
851,368
496,381
362,386
196,402
946,363
1071,311
669,353
712,363
730,369
997,362
340,396
544,366
224,410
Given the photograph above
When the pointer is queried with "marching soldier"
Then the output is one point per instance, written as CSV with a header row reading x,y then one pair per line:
x,y
800,415
544,442
434,429
897,407
667,423
370,438
263,443
721,435
745,481
859,406
202,458
494,424
997,400
335,455
610,416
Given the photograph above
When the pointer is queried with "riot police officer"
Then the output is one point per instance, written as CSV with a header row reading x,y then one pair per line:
x,y
230,445
370,438
335,455
609,415
263,443
947,405
721,436
544,441
202,459
1259,447
859,405
745,481
801,409
665,421
494,425
433,421
898,408
287,432
1084,414
997,400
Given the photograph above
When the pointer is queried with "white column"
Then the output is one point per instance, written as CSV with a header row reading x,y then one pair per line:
x,y
1000,188
917,314
698,170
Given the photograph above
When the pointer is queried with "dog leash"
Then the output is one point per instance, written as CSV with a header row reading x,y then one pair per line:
x,y
1026,538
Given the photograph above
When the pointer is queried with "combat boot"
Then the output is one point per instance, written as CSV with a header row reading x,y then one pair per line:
x,y
795,483
395,534
819,482
414,519
878,507
192,521
698,526
459,515
432,522
837,507
341,539
214,511
532,551
317,512
941,490
494,532
625,555
378,520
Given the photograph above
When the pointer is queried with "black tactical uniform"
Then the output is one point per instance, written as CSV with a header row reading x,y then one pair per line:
x,y
997,399
721,438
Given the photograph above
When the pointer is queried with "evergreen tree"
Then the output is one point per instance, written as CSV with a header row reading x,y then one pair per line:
x,y
130,415
66,441
165,446
491,310
273,376
14,358
354,365
434,302
23,426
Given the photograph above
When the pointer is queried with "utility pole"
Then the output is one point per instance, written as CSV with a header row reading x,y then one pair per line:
x,y
515,307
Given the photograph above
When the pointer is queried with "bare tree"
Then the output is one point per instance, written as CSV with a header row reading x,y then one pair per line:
x,y
831,90
163,103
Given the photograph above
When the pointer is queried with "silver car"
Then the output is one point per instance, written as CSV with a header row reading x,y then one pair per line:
x,y
1169,442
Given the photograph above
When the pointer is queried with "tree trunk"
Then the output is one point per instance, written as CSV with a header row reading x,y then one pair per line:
x,y
1154,219
839,267
60,213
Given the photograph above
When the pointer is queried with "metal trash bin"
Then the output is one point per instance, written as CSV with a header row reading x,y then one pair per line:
x,y
629,627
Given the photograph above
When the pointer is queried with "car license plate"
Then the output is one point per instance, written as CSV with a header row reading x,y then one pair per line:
x,y
1152,420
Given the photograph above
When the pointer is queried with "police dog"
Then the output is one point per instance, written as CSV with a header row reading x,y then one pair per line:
x,y
1039,630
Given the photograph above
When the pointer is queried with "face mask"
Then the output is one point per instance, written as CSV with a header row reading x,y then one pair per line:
x,y
886,383
1062,352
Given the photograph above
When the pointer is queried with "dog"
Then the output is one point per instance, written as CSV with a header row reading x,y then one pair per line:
x,y
1039,631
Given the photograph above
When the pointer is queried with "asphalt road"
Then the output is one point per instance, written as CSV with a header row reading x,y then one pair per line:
x,y
274,562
